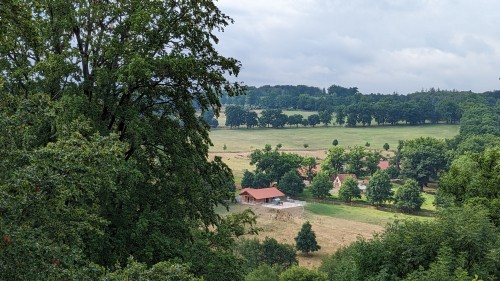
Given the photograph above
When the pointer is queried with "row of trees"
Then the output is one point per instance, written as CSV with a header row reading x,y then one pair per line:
x,y
352,107
237,116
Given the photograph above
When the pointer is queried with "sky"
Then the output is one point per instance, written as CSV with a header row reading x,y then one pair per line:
x,y
378,46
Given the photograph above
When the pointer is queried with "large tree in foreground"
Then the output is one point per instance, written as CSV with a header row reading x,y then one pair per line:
x,y
98,107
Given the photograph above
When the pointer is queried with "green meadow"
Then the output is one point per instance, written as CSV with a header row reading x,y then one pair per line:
x,y
320,137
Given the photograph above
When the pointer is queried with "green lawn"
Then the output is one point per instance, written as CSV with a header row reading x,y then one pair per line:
x,y
240,140
361,214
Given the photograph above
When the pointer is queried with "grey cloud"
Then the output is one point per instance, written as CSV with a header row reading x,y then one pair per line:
x,y
377,46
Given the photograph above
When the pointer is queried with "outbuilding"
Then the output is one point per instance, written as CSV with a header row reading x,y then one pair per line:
x,y
261,195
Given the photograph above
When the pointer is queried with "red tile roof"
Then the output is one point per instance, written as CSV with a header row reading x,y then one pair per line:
x,y
262,193
302,170
342,177
383,165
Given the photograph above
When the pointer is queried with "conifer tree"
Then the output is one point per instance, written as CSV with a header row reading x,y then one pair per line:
x,y
306,239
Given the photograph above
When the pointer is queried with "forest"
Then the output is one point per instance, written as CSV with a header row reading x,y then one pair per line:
x,y
105,172
346,106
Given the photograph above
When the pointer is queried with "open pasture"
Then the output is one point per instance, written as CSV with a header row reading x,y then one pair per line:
x,y
320,137
332,231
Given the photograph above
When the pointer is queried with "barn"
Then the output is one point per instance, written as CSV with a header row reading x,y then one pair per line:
x,y
261,195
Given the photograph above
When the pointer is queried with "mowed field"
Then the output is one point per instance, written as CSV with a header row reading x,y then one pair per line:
x,y
320,137
332,232
240,143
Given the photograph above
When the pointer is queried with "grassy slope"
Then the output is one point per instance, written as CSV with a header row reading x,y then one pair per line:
x,y
360,214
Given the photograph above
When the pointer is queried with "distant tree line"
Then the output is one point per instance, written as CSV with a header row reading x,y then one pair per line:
x,y
237,116
351,108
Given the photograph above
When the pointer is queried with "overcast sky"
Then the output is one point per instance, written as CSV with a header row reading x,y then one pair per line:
x,y
379,46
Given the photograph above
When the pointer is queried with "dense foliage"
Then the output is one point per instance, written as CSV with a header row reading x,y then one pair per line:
x,y
460,244
349,190
270,252
102,153
408,197
321,186
379,189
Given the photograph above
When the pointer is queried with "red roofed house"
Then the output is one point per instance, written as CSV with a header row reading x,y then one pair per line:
x,y
260,195
383,165
340,178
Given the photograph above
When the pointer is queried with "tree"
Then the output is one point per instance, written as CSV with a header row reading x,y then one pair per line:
x,y
386,146
379,188
209,118
349,190
263,273
248,179
309,163
355,161
371,161
306,239
291,184
423,158
408,197
235,116
473,175
274,117
334,161
162,271
321,185
313,119
274,164
295,119
269,252
335,142
414,250
340,115
106,129
298,273
325,117
251,119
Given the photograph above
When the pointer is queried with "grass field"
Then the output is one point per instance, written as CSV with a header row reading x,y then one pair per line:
x,y
362,214
318,138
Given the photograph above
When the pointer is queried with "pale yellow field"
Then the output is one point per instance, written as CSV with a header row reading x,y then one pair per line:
x,y
331,233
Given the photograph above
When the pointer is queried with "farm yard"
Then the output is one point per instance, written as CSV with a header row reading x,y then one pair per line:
x,y
336,224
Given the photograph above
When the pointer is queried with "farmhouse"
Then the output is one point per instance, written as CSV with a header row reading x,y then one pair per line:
x,y
340,178
261,195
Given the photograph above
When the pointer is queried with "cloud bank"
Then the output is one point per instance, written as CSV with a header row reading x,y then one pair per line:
x,y
381,46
